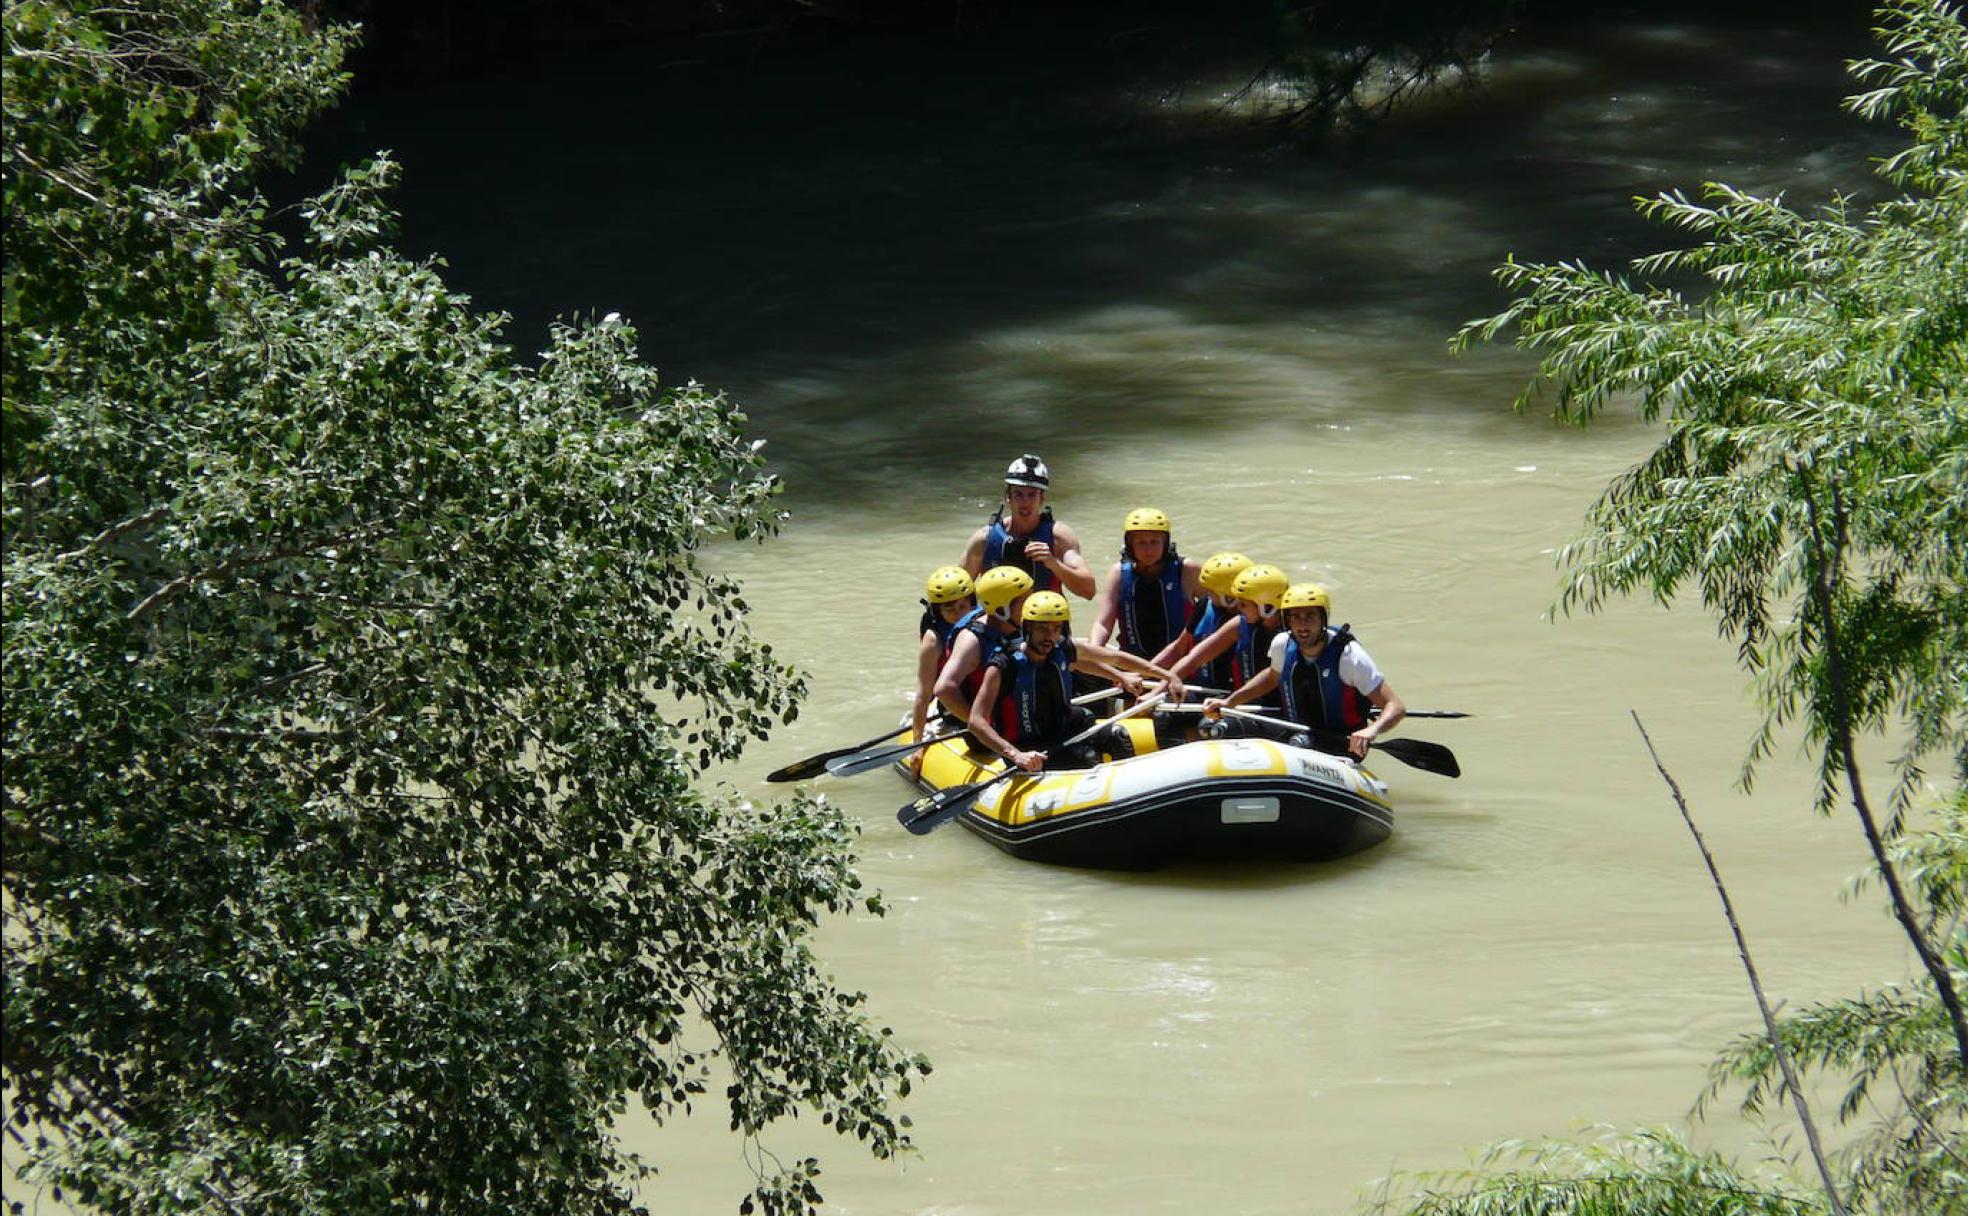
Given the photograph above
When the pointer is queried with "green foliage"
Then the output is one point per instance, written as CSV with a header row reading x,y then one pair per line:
x,y
1809,485
1815,421
1647,1173
357,677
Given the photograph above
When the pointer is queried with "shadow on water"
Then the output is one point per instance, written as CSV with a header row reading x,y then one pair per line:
x,y
1246,875
891,253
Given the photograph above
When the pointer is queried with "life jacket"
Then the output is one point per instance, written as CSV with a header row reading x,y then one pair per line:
x,y
1313,693
946,632
989,643
1017,714
963,622
1141,633
999,549
1251,654
1206,618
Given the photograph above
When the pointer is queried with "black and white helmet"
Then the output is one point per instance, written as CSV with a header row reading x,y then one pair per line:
x,y
1028,470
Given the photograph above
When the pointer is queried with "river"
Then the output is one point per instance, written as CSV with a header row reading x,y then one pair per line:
x,y
911,268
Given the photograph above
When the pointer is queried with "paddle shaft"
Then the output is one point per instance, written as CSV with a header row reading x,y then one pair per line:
x,y
1416,753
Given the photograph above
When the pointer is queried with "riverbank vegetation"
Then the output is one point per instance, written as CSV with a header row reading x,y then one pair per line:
x,y
359,679
1809,488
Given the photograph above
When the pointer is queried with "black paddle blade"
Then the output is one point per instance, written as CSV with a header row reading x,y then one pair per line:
x,y
1421,754
812,766
928,813
1436,713
932,811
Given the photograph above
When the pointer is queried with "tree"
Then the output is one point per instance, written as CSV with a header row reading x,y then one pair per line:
x,y
357,676
1809,486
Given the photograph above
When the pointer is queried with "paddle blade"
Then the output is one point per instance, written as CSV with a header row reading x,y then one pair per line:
x,y
812,766
1421,754
932,811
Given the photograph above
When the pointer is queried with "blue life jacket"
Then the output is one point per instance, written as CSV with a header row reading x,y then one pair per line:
x,y
1019,703
1147,642
1206,618
1000,549
989,643
1313,693
1250,655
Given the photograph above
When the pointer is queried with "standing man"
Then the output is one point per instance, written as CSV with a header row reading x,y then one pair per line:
x,y
1023,534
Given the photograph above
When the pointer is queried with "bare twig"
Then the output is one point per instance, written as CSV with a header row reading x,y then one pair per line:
x,y
1755,982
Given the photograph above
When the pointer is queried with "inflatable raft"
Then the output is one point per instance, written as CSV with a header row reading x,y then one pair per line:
x,y
1203,800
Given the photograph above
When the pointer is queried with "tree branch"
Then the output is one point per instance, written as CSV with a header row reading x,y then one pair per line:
x,y
1842,739
113,531
1755,981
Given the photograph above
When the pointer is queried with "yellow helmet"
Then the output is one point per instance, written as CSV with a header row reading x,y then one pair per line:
x,y
1145,519
1261,585
1000,585
1306,595
1222,569
1046,606
946,584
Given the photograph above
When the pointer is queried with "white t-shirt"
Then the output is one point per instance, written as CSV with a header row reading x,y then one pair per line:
x,y
1356,666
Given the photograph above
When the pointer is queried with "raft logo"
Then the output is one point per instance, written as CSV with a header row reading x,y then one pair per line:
x,y
1319,772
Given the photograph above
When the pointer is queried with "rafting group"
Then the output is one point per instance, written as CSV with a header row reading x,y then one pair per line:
x,y
996,650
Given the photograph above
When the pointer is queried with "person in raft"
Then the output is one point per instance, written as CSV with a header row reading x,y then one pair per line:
x,y
1029,538
1000,591
1255,591
1024,709
1151,592
949,605
1327,681
1213,626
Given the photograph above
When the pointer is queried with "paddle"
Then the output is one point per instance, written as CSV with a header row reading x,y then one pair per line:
x,y
813,766
932,811
861,762
826,762
1418,753
1436,713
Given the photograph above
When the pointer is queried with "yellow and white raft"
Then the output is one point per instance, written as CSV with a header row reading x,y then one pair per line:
x,y
1202,800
